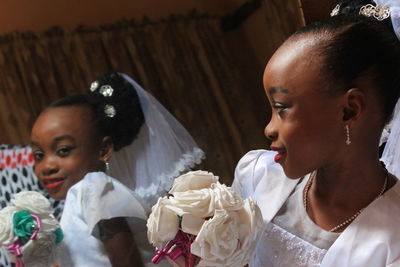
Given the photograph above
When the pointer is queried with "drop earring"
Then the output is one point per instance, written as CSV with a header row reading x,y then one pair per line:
x,y
107,166
348,140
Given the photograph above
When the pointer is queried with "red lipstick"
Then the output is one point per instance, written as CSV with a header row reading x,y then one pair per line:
x,y
53,183
281,153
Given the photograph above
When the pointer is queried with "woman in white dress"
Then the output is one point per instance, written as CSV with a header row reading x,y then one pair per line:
x,y
325,197
73,141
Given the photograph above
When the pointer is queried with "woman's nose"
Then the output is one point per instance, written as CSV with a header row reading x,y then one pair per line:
x,y
270,131
48,166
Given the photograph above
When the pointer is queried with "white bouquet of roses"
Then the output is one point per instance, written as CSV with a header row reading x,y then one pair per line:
x,y
205,222
28,230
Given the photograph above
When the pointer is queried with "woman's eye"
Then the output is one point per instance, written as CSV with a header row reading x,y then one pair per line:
x,y
38,155
64,151
280,107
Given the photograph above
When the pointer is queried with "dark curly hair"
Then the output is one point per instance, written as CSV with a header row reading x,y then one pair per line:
x,y
124,127
354,45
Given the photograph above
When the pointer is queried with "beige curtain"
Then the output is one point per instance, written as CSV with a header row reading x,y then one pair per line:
x,y
183,61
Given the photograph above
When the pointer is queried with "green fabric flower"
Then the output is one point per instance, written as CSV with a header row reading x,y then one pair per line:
x,y
24,225
59,235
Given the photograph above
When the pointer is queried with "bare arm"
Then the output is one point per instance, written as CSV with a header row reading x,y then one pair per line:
x,y
119,243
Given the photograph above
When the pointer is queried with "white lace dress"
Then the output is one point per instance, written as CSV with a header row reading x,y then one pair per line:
x,y
292,238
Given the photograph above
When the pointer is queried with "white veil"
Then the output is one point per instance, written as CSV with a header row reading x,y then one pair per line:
x,y
162,150
391,152
391,133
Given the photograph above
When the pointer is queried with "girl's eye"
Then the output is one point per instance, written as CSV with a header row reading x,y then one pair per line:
x,y
37,155
281,108
64,151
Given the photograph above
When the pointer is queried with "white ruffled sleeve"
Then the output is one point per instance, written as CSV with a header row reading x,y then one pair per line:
x,y
100,197
249,171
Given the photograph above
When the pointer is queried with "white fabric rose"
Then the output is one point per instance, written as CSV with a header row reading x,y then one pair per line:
x,y
194,180
39,252
225,198
48,223
230,237
33,202
218,239
6,226
250,226
162,224
198,203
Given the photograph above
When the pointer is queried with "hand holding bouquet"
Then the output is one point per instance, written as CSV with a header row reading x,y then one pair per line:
x,y
205,222
28,230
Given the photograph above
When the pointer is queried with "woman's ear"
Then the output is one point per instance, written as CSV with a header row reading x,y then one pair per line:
x,y
354,104
106,149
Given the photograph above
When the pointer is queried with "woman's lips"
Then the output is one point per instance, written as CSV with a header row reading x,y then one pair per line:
x,y
281,153
53,182
278,157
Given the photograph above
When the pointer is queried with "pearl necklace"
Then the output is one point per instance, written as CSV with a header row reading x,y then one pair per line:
x,y
349,220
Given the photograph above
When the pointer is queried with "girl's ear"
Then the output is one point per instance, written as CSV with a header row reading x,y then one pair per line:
x,y
106,149
354,105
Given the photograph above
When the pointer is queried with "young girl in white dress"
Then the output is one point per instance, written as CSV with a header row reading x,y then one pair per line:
x,y
325,197
73,141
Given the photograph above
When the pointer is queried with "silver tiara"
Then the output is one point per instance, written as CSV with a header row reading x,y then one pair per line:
x,y
335,11
380,12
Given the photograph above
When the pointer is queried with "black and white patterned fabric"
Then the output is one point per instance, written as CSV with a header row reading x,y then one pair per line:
x,y
16,174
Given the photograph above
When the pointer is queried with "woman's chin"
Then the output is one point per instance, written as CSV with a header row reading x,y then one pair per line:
x,y
57,196
292,174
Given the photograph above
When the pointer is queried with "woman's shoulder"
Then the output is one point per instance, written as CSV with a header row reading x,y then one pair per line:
x,y
98,196
97,184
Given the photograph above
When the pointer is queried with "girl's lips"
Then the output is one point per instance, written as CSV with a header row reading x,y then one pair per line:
x,y
278,157
281,153
53,183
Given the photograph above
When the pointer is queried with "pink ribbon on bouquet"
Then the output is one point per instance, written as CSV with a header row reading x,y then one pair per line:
x,y
177,247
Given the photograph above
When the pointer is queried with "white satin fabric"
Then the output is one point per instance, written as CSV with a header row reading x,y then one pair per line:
x,y
372,239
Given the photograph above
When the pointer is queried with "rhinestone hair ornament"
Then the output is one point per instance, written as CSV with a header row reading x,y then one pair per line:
x,y
379,12
110,111
106,91
94,86
383,10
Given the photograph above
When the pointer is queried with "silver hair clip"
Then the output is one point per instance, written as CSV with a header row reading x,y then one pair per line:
x,y
380,12
94,86
335,11
106,90
110,111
